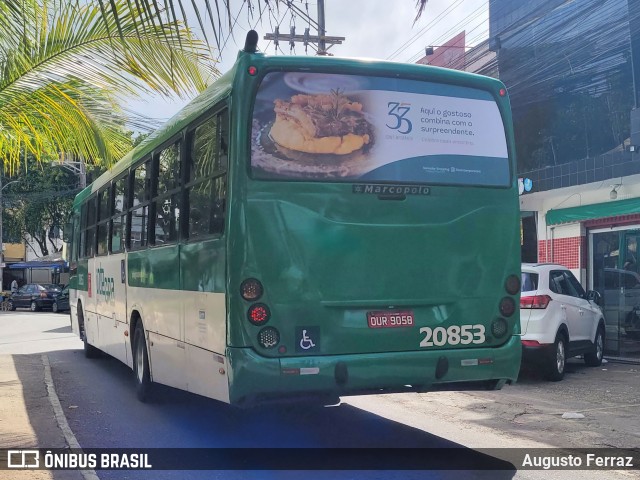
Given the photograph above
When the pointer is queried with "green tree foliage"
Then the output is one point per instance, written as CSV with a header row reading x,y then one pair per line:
x,y
64,67
38,204
65,64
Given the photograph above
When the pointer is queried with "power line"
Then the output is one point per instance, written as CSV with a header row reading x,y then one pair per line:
x,y
321,41
414,38
454,29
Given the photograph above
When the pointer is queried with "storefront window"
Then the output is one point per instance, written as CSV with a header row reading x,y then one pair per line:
x,y
615,274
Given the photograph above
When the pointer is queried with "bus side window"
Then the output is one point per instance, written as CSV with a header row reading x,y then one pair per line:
x,y
104,214
219,205
140,205
74,237
118,223
167,198
207,180
83,232
90,237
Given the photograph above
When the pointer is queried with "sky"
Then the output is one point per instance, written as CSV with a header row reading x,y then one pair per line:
x,y
382,29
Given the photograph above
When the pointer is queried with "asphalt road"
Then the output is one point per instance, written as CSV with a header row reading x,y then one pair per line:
x,y
100,405
23,332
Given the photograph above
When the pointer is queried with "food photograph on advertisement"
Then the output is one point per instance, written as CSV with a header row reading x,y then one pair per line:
x,y
317,126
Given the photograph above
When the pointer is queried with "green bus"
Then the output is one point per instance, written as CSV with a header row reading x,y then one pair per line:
x,y
309,228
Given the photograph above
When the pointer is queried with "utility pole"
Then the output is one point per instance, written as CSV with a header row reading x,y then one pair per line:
x,y
78,168
322,41
319,41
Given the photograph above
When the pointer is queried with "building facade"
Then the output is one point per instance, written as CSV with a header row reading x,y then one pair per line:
x,y
570,68
12,253
593,229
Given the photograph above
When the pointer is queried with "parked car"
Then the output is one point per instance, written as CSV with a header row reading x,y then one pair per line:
x,y
559,319
34,296
61,301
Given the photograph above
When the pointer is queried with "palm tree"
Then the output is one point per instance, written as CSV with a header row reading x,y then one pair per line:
x,y
169,11
66,66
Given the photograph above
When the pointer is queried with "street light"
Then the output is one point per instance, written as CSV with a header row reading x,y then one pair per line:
x,y
2,187
446,56
429,50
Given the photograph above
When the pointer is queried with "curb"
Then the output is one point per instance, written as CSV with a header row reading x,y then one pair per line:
x,y
70,438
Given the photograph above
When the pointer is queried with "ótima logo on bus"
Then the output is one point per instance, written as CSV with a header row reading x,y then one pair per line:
x,y
398,122
105,285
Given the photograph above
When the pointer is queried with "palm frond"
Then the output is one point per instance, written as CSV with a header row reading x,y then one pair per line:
x,y
420,5
114,61
64,67
152,15
66,117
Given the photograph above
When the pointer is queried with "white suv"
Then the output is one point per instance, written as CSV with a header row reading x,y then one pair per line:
x,y
559,319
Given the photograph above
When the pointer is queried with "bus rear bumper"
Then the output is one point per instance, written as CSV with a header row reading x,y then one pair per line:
x,y
257,379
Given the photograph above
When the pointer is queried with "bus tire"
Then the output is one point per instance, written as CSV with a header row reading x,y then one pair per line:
x,y
141,365
89,350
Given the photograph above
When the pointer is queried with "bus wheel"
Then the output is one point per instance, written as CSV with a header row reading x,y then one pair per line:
x,y
89,350
141,365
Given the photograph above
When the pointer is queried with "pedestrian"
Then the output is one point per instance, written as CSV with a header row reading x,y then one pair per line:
x,y
630,260
14,286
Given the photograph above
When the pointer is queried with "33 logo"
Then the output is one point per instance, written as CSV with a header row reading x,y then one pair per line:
x,y
399,111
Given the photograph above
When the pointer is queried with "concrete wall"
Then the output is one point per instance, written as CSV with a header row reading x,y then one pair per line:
x,y
567,243
13,252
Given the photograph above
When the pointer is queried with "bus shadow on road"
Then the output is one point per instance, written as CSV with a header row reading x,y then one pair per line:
x,y
66,329
531,373
175,418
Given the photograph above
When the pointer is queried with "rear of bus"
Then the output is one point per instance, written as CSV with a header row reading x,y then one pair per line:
x,y
376,246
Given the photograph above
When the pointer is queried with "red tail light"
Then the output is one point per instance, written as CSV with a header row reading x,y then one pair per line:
x,y
512,284
507,306
258,314
537,301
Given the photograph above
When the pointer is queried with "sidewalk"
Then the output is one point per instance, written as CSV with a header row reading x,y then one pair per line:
x,y
27,416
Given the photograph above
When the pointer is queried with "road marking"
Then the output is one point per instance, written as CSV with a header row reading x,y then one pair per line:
x,y
71,439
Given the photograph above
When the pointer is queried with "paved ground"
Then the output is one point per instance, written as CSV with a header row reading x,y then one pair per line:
x,y
27,417
527,414
608,396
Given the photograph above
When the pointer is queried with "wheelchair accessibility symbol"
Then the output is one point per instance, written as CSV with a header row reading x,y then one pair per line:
x,y
306,343
308,339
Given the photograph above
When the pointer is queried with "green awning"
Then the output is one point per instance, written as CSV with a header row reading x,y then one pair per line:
x,y
597,210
